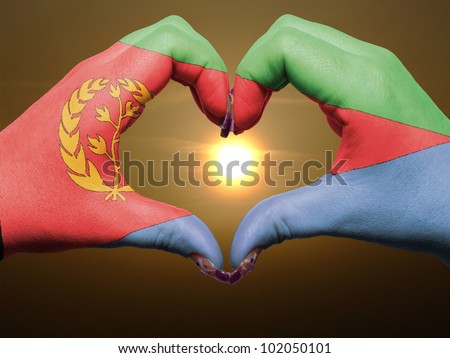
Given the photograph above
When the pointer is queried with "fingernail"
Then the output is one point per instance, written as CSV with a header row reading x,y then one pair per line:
x,y
207,268
235,276
228,123
245,267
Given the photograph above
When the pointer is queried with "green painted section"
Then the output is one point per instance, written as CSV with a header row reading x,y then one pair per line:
x,y
174,37
340,70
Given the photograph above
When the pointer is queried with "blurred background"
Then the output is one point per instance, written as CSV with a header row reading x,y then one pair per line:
x,y
314,287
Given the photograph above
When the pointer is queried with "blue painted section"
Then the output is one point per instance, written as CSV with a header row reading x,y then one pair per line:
x,y
403,203
183,236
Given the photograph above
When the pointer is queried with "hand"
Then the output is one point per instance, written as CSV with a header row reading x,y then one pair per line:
x,y
390,180
62,187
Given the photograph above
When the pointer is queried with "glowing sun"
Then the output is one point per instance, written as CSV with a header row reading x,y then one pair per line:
x,y
236,158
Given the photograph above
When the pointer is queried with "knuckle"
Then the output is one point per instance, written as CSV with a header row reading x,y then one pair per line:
x,y
285,37
381,67
286,20
173,21
387,55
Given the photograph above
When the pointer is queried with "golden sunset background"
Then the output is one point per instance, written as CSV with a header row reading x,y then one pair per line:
x,y
316,287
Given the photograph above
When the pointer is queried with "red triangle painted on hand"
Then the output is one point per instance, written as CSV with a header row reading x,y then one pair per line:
x,y
368,140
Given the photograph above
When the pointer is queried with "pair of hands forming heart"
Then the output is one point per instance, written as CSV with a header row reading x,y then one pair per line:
x,y
64,188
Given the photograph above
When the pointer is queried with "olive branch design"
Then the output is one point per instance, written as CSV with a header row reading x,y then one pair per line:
x,y
81,170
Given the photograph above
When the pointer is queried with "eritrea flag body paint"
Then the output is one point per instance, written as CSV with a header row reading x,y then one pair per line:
x,y
62,186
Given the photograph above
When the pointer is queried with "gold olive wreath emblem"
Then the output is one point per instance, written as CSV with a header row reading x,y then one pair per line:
x,y
81,170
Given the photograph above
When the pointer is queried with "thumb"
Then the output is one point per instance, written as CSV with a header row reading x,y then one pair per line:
x,y
304,212
183,234
87,220
402,203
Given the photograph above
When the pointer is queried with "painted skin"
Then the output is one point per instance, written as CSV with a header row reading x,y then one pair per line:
x,y
395,141
57,215
49,200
